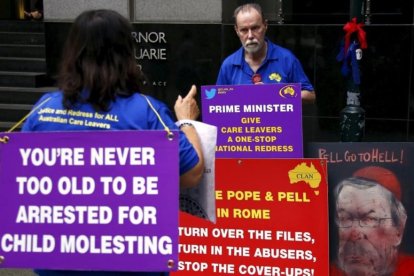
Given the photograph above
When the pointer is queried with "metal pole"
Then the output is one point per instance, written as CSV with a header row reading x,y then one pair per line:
x,y
280,18
131,7
367,12
356,10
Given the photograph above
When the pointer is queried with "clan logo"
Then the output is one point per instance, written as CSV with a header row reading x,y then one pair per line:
x,y
287,92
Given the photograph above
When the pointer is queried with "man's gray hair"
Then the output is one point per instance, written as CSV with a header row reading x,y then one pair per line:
x,y
247,7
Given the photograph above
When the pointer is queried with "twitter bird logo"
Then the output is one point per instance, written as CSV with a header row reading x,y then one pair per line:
x,y
210,93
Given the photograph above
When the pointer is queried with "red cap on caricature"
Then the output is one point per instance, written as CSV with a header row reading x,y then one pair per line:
x,y
382,176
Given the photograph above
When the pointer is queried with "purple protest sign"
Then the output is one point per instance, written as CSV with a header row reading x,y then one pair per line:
x,y
105,200
255,121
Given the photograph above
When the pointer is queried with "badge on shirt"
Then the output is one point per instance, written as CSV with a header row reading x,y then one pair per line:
x,y
275,76
256,78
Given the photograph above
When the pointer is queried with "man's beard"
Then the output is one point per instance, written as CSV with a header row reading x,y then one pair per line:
x,y
252,47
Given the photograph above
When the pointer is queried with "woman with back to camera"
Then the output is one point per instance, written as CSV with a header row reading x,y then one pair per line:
x,y
98,74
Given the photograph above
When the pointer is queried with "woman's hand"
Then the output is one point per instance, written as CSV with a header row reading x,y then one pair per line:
x,y
186,108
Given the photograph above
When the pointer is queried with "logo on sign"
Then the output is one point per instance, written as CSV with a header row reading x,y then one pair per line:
x,y
210,93
287,92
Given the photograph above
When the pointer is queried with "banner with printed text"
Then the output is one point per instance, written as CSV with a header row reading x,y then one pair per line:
x,y
89,200
272,219
255,121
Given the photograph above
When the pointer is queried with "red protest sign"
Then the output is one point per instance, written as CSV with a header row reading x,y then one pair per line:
x,y
272,219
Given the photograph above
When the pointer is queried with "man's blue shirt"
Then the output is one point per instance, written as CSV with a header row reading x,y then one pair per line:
x,y
279,66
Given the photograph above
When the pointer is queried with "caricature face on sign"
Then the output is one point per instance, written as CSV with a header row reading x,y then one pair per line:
x,y
370,225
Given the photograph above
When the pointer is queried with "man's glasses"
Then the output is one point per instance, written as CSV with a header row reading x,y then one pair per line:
x,y
347,222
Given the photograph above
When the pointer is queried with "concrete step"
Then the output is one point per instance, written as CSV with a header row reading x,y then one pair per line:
x,y
22,95
22,50
23,64
24,79
21,26
6,126
14,112
22,38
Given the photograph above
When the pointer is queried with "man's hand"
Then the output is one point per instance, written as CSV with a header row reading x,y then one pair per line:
x,y
308,97
186,108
